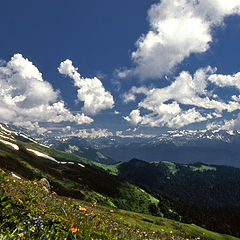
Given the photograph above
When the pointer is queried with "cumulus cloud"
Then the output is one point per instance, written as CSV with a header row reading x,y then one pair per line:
x,y
184,101
169,115
91,90
177,29
91,133
26,97
131,95
134,117
232,124
187,90
226,80
30,126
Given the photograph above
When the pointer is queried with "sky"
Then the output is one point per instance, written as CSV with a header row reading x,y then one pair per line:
x,y
127,68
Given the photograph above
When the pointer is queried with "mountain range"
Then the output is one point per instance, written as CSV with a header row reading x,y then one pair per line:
x,y
204,194
219,147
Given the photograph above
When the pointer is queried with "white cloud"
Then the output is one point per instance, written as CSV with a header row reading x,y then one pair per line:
x,y
91,133
169,115
26,97
91,90
30,126
178,28
226,80
163,104
134,117
187,90
233,124
131,95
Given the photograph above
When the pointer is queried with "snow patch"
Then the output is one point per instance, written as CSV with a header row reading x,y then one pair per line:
x,y
24,136
6,130
16,176
79,164
39,154
7,138
10,144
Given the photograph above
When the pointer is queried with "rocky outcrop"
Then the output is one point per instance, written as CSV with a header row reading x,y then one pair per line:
x,y
46,185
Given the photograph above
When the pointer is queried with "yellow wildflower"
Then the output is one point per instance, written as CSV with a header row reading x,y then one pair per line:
x,y
32,229
21,235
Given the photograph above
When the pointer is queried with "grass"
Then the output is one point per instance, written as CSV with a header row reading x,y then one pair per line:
x,y
112,169
28,212
72,180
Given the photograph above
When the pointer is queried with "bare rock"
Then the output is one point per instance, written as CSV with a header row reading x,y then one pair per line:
x,y
46,185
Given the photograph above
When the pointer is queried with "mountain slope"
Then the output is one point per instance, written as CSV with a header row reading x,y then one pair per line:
x,y
28,212
85,152
69,174
74,176
204,194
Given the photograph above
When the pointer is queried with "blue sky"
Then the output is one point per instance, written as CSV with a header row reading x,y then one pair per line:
x,y
120,67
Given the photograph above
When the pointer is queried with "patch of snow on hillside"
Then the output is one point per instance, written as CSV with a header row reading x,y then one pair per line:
x,y
6,130
39,154
25,136
16,176
9,138
10,144
79,164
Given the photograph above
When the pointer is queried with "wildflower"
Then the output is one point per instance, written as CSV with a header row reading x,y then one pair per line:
x,y
32,229
111,211
82,209
20,183
21,235
162,230
35,183
74,230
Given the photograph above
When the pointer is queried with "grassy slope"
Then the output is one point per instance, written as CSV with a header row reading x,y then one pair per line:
x,y
27,212
89,183
95,185
205,195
